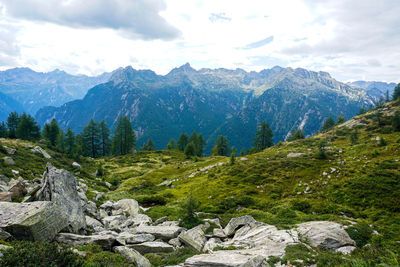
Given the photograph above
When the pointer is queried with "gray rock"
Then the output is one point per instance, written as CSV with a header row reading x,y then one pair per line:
x,y
129,238
59,186
235,223
324,234
163,232
294,155
175,242
226,258
161,220
214,221
106,209
35,221
114,222
345,250
132,256
4,235
9,150
91,209
5,196
105,240
76,165
38,149
4,178
152,247
93,224
18,190
219,233
194,238
8,161
128,207
211,244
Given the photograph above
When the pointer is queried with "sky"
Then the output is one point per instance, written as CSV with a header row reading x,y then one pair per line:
x,y
350,39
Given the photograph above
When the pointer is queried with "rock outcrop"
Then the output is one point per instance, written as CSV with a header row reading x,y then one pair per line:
x,y
104,239
36,221
132,256
38,149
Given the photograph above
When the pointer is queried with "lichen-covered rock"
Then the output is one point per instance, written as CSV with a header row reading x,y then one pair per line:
x,y
114,222
76,165
35,221
8,161
60,186
105,240
128,207
129,238
4,235
194,238
38,149
234,223
93,224
152,247
324,234
132,256
9,150
162,232
226,258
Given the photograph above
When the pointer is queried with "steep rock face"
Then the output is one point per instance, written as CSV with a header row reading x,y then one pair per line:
x,y
36,221
60,186
212,102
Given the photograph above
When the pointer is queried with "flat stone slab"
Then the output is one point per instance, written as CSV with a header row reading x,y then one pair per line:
x,y
152,247
163,232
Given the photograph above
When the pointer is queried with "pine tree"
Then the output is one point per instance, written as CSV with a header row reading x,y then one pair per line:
x,y
222,146
295,135
362,111
12,123
396,121
328,124
70,143
214,151
60,143
387,98
340,119
124,139
104,138
233,156
50,132
396,92
91,140
190,150
78,146
183,141
149,146
171,144
201,143
263,137
3,129
27,128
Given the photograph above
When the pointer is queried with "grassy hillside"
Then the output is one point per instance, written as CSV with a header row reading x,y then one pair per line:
x,y
356,183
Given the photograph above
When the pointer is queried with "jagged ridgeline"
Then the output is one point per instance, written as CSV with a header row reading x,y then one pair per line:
x,y
331,200
212,102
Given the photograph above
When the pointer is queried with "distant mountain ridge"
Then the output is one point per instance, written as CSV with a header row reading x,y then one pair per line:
x,y
375,89
34,90
213,102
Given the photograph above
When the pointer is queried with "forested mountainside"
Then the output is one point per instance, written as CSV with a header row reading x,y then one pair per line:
x,y
213,102
375,89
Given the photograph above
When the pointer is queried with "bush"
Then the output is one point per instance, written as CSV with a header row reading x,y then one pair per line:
x,y
39,254
152,200
361,233
382,142
301,205
189,217
106,258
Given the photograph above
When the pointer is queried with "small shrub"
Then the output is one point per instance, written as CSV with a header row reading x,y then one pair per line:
x,y
301,205
106,258
382,142
361,233
152,200
38,254
189,217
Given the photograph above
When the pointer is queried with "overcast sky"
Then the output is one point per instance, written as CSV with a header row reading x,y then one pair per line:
x,y
351,39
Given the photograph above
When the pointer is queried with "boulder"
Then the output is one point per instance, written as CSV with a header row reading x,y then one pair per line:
x,y
132,256
8,161
175,242
60,187
104,239
161,220
294,155
93,224
194,238
38,149
106,208
91,209
129,238
4,235
5,196
128,207
9,150
163,232
152,247
235,223
324,234
220,233
18,190
114,222
211,244
345,250
226,258
35,221
76,165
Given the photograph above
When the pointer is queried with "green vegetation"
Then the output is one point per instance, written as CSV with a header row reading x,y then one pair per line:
x,y
263,137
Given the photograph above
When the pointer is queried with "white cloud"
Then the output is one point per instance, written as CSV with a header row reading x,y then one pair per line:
x,y
350,39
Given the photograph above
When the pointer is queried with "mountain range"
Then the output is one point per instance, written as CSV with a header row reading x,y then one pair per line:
x,y
213,102
375,89
33,90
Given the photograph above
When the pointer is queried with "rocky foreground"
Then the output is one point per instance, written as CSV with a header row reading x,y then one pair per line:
x,y
55,208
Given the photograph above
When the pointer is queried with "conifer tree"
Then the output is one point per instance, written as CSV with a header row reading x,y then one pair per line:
x,y
396,92
183,141
387,98
263,137
171,144
242,152
340,119
60,143
362,111
295,135
27,128
124,139
50,132
3,129
190,150
91,139
396,121
149,146
78,146
328,124
104,138
222,146
12,123
70,143
233,156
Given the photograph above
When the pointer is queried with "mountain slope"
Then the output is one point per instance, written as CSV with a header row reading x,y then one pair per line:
x,y
37,89
8,105
212,102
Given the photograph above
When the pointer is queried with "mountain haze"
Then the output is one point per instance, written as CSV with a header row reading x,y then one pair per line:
x,y
212,101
